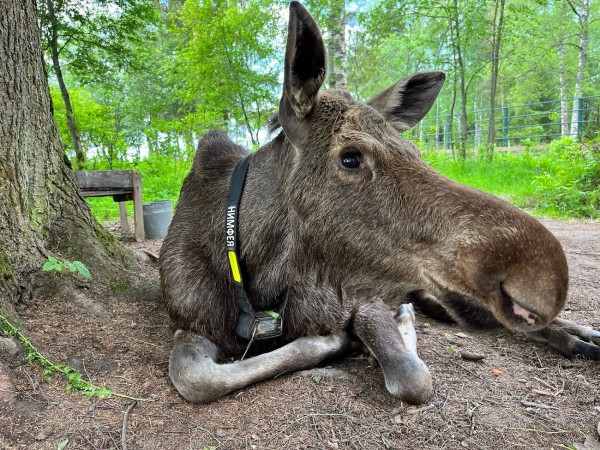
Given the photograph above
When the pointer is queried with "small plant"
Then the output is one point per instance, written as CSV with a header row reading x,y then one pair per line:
x,y
65,266
74,378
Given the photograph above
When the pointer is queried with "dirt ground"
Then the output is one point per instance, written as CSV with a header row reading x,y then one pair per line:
x,y
522,395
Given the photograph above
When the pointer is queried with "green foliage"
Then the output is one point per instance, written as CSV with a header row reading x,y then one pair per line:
x,y
97,36
147,79
73,377
162,177
570,182
64,266
227,63
562,180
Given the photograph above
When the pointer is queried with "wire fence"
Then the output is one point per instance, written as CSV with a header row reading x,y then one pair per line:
x,y
516,125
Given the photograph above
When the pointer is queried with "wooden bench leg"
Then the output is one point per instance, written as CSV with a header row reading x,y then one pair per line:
x,y
138,212
124,221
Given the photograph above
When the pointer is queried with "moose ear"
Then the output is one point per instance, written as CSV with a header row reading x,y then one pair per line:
x,y
305,62
405,103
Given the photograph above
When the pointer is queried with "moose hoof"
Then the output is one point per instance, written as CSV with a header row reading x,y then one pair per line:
x,y
406,309
595,336
409,380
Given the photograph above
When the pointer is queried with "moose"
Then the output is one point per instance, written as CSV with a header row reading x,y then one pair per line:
x,y
335,219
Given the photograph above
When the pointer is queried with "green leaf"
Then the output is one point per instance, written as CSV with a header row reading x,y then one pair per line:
x,y
426,325
58,267
48,266
69,265
52,259
63,444
450,351
273,314
82,269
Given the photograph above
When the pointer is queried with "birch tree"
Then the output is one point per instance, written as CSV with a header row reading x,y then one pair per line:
x,y
582,12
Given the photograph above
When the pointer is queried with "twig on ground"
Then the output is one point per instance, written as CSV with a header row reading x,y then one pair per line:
x,y
86,439
470,372
533,430
540,392
315,427
554,388
537,405
124,430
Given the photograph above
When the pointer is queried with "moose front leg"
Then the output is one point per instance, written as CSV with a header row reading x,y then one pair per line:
x,y
570,339
394,344
198,377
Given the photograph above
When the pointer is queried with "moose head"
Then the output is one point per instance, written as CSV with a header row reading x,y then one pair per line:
x,y
372,211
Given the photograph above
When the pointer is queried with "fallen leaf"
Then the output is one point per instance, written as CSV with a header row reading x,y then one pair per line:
x,y
460,334
497,372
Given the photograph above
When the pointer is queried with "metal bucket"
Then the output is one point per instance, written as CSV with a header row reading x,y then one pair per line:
x,y
157,218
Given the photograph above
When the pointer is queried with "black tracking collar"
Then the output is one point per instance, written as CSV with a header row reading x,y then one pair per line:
x,y
251,324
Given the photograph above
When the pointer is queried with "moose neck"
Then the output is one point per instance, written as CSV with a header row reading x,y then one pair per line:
x,y
265,238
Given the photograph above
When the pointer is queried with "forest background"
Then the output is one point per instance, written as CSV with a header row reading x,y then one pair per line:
x,y
136,83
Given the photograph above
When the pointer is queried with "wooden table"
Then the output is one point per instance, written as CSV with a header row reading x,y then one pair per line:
x,y
122,186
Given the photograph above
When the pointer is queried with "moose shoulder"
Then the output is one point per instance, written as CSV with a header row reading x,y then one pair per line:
x,y
339,217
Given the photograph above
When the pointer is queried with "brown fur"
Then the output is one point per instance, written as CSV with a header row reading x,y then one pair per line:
x,y
338,238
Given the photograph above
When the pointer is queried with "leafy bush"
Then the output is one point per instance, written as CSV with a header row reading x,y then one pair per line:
x,y
570,183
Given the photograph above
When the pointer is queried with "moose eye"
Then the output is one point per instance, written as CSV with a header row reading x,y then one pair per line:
x,y
350,160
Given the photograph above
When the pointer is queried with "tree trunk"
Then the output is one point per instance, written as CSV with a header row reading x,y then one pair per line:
x,y
451,122
463,84
496,39
584,19
41,211
337,45
564,115
53,44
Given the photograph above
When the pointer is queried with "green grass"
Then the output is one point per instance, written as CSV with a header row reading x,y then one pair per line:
x,y
508,175
561,180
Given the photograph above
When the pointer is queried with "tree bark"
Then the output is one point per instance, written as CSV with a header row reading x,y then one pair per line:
x,y
53,44
337,45
584,19
463,84
496,40
564,115
41,210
